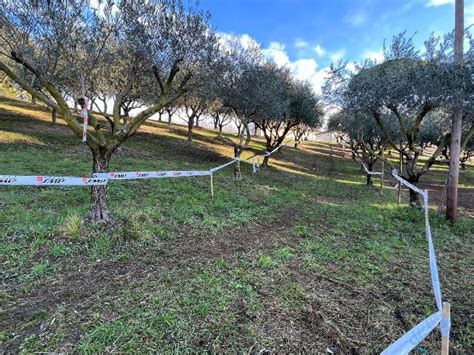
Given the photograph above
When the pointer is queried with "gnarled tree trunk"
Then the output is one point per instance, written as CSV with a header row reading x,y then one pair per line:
x,y
99,212
369,176
414,196
190,129
237,171
53,117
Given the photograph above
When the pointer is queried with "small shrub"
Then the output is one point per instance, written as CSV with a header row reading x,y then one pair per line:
x,y
71,227
58,250
135,226
221,263
38,270
285,253
264,261
301,231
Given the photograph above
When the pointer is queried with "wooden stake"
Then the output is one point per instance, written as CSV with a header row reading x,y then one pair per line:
x,y
456,125
445,339
400,168
383,168
212,185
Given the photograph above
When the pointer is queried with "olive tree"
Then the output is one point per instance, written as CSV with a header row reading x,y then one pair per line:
x,y
235,89
195,104
284,103
363,135
221,114
299,132
149,47
411,88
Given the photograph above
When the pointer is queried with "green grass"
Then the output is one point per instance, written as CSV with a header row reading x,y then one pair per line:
x,y
255,267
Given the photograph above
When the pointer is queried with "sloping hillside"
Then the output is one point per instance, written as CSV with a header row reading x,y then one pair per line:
x,y
299,257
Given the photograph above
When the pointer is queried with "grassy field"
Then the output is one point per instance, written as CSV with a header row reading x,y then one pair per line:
x,y
300,257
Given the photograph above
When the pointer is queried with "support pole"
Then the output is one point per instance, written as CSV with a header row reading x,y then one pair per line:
x,y
445,339
400,168
383,169
212,185
456,126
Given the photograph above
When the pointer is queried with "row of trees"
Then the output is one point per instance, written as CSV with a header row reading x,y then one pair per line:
x,y
154,55
405,104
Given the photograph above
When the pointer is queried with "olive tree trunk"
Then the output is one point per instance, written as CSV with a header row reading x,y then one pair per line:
x,y
190,129
237,171
99,212
414,196
53,117
369,176
266,158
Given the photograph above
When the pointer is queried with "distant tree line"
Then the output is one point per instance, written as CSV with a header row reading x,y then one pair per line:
x,y
404,104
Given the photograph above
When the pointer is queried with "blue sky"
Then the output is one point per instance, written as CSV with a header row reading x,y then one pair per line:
x,y
308,34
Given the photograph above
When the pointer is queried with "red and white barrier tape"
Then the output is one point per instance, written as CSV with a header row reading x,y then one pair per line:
x,y
134,175
51,180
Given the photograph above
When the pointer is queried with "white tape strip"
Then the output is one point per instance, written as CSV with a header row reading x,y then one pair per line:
x,y
432,255
408,341
365,167
85,118
431,250
134,175
406,183
413,337
51,180
267,153
213,170
274,150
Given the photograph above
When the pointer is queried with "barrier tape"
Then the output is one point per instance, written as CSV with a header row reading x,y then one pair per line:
x,y
134,175
51,180
255,158
365,167
213,170
413,337
85,118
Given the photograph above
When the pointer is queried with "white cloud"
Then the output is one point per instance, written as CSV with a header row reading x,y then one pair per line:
x,y
303,69
276,51
337,55
307,69
469,15
245,40
300,43
468,9
351,67
431,3
373,55
320,51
